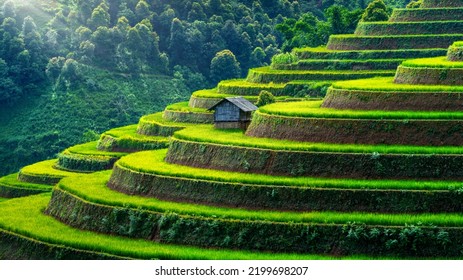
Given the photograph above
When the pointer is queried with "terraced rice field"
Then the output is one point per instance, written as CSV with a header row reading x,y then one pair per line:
x,y
372,171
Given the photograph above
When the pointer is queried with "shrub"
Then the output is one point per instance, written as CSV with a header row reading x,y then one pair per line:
x,y
414,4
265,97
284,58
376,11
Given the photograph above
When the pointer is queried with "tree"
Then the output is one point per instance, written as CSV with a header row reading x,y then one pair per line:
x,y
54,66
126,12
9,9
100,17
336,19
142,10
224,66
258,57
376,11
8,89
196,13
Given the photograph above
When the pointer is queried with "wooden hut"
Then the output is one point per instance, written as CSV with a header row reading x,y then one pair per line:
x,y
233,112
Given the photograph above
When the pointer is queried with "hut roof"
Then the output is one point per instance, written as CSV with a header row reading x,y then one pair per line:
x,y
244,104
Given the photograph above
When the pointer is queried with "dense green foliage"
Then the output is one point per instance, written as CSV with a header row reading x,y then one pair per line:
x,y
264,98
376,11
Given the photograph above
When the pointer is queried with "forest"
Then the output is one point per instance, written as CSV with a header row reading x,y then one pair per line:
x,y
72,69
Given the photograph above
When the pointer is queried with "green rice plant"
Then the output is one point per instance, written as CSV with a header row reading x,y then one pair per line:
x,y
93,188
434,62
202,115
387,84
403,28
43,172
423,14
207,134
324,53
87,158
342,64
126,139
311,109
243,87
11,187
440,3
183,107
218,96
90,149
25,216
143,162
355,42
156,125
267,75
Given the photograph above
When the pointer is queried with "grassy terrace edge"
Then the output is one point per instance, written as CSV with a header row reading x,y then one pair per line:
x,y
11,187
252,235
43,172
207,134
387,84
25,217
135,163
93,189
126,139
311,109
325,53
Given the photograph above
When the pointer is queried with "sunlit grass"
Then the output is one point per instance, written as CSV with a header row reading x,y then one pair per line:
x,y
184,107
24,216
90,149
130,133
388,85
45,169
207,134
152,162
93,189
311,109
157,119
269,70
12,181
434,62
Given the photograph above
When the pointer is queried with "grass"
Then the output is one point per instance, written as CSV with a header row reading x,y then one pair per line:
x,y
45,169
269,70
433,62
24,216
153,163
130,133
90,149
157,119
93,189
323,49
12,181
183,107
311,109
241,83
3,199
212,93
417,36
387,84
207,134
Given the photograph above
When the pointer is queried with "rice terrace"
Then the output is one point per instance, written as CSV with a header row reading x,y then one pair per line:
x,y
359,157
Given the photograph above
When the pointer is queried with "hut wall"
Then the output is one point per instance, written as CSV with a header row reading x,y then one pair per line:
x,y
227,112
